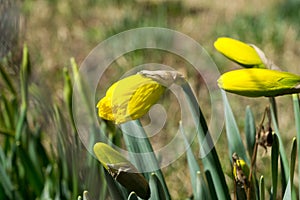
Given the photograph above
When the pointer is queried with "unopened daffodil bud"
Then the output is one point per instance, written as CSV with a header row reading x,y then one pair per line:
x,y
259,82
132,97
244,54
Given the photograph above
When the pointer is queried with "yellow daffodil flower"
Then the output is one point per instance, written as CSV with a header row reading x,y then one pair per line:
x,y
241,53
259,82
130,98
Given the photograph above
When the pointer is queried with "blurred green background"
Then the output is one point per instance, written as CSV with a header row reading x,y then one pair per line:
x,y
55,31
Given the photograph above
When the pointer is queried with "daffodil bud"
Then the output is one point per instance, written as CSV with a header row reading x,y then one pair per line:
x,y
244,54
259,82
130,98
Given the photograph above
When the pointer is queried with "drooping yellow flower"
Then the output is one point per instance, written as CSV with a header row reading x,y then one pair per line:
x,y
259,82
129,98
239,52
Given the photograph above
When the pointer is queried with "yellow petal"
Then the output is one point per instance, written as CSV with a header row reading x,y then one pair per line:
x,y
239,52
129,98
259,82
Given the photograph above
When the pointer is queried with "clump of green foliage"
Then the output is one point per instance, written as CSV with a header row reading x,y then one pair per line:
x,y
32,169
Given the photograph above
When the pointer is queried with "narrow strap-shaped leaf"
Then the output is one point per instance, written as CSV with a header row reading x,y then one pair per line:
x,y
24,74
233,136
297,122
7,80
192,162
141,150
288,192
34,175
132,196
250,130
114,188
202,191
274,165
157,190
8,113
292,168
211,160
6,182
86,195
262,188
211,185
283,157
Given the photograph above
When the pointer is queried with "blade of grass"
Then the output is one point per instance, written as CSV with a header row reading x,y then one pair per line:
x,y
35,177
7,80
7,113
6,182
24,73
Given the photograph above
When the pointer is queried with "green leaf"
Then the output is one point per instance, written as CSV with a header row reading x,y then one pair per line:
x,y
283,157
192,162
292,168
250,130
21,123
24,73
114,188
157,190
274,165
86,195
6,182
34,175
297,122
139,144
68,95
211,162
8,113
122,170
233,135
202,191
7,80
288,192
132,196
211,185
262,188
